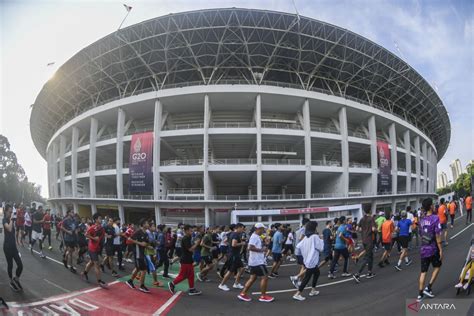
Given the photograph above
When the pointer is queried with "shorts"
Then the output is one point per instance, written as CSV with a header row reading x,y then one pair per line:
x,y
444,226
403,240
94,255
299,260
387,246
260,270
36,236
276,257
224,249
70,244
197,257
109,250
235,263
178,251
140,264
434,260
207,259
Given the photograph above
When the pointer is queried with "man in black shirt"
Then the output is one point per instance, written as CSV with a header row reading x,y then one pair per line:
x,y
236,267
10,250
186,271
368,229
140,241
109,247
37,234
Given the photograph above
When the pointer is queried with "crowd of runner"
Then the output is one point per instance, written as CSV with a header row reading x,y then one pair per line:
x,y
231,251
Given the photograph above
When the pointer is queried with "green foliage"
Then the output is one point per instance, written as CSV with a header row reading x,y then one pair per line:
x,y
14,184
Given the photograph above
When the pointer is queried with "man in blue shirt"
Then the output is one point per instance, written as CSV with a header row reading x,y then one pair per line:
x,y
340,249
403,228
276,250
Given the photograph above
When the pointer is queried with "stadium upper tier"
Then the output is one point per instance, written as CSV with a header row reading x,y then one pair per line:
x,y
244,46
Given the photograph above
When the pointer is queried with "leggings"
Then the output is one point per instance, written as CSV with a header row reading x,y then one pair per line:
x,y
12,254
313,272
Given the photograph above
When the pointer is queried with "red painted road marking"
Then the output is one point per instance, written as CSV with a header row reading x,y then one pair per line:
x,y
118,299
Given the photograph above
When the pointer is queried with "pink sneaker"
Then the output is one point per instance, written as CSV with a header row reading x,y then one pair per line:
x,y
244,297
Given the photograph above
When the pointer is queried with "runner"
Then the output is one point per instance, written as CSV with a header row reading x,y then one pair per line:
x,y
340,248
379,221
20,225
28,223
368,228
328,239
388,229
257,265
206,256
68,227
10,250
452,212
236,267
186,271
109,248
289,249
468,201
95,234
300,234
118,243
431,251
277,247
140,241
310,248
443,220
47,228
161,248
403,229
37,234
177,246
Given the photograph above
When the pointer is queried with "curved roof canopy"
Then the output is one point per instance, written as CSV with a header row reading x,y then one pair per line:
x,y
244,46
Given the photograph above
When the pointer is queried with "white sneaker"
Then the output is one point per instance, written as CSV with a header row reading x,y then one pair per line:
x,y
293,278
292,259
466,286
313,293
299,297
224,287
238,286
346,274
459,285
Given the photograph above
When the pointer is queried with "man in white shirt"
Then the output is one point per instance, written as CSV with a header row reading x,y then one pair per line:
x,y
310,248
257,266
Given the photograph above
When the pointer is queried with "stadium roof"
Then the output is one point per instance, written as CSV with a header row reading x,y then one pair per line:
x,y
221,46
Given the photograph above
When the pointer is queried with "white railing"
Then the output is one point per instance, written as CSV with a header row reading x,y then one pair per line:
x,y
331,163
232,124
82,170
186,191
187,162
138,197
106,167
280,125
358,134
183,126
236,161
106,196
283,162
359,165
138,130
330,130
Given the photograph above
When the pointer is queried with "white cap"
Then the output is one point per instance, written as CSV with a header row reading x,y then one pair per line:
x,y
259,225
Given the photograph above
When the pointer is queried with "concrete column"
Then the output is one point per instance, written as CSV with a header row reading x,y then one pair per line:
x,y
205,157
373,207
344,150
158,220
393,157
207,216
75,207
258,124
62,164
121,211
307,148
425,167
406,137
156,150
93,209
92,156
55,170
417,165
50,172
394,205
373,154
119,152
74,142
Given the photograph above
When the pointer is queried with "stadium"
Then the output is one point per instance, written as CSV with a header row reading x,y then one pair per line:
x,y
223,115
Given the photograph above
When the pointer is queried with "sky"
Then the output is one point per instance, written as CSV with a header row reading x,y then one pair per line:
x,y
434,36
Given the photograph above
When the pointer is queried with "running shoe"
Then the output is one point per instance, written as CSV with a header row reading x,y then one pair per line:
x,y
193,292
458,286
73,270
130,284
266,298
14,287
224,287
17,283
370,275
356,277
50,248
466,286
144,289
408,262
272,275
419,298
244,297
238,286
331,276
428,292
102,284
313,293
171,287
292,259
276,273
298,297
345,274
398,267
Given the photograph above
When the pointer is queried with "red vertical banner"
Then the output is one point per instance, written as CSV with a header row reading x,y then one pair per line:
x,y
141,163
384,183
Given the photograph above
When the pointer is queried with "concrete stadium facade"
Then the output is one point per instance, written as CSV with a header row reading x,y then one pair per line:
x,y
235,130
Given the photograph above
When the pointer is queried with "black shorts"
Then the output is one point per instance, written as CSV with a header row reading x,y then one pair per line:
x,y
276,257
403,241
434,260
206,259
94,256
387,246
109,250
299,260
140,264
235,263
260,270
70,244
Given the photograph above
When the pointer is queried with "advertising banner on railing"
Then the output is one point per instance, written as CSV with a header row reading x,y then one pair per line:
x,y
384,183
141,163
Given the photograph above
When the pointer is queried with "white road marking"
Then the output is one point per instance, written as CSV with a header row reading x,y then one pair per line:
x,y
459,233
49,258
307,288
56,285
168,303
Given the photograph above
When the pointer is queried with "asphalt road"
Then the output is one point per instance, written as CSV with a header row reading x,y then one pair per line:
x,y
384,294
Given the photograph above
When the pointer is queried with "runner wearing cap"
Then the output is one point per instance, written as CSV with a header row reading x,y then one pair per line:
x,y
257,266
403,229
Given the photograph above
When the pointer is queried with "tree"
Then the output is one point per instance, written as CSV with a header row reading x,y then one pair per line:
x,y
14,184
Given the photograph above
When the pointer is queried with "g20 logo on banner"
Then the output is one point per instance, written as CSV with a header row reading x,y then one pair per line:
x,y
137,154
384,162
141,161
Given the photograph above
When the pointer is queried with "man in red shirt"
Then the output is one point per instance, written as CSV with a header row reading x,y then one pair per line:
x,y
443,220
20,225
95,234
47,228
